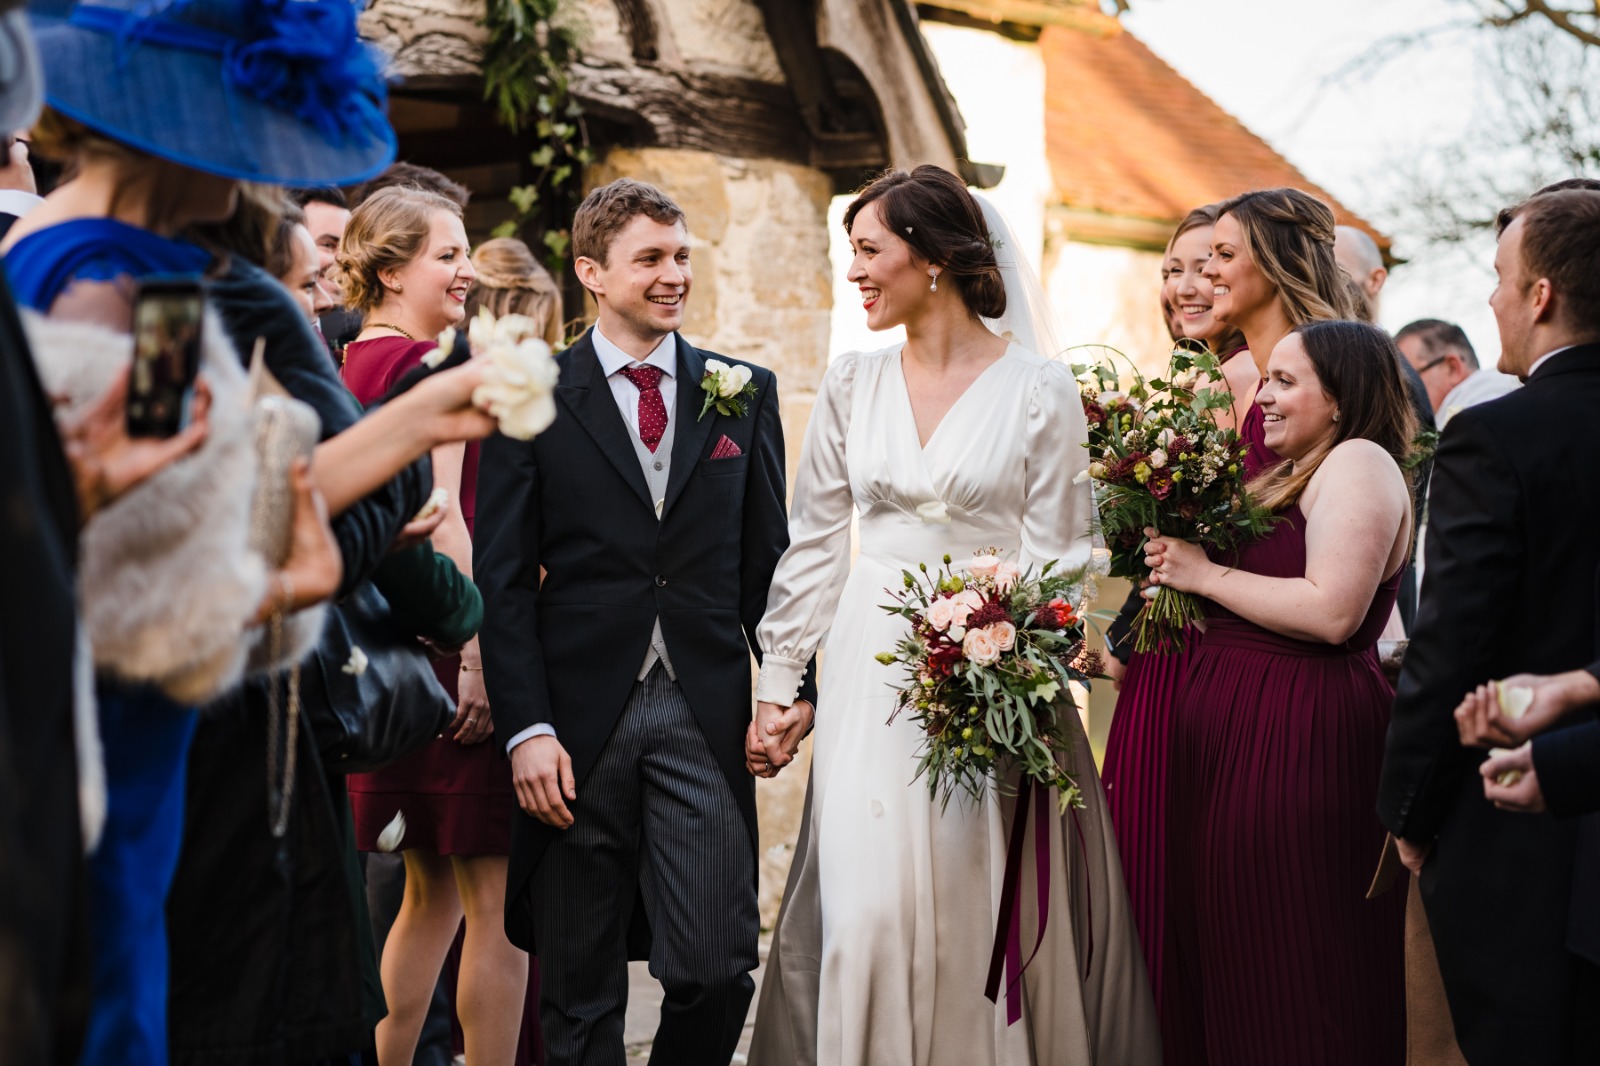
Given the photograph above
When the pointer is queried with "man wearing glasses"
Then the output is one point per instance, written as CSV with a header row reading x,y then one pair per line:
x,y
1444,359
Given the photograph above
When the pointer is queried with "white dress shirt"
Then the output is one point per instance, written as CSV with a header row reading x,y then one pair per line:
x,y
1545,358
613,360
1480,386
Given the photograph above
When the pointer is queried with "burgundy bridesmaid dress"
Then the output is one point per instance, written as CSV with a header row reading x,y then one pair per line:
x,y
1136,773
458,800
1277,954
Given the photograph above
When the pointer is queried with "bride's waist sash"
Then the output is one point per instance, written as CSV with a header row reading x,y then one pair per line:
x,y
902,541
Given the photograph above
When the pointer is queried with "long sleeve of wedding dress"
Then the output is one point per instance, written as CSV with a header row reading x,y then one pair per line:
x,y
810,576
1057,508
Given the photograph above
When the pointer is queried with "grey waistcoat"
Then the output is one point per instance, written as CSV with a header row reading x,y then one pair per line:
x,y
657,468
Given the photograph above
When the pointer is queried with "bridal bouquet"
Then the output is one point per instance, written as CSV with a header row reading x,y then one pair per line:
x,y
1159,459
987,660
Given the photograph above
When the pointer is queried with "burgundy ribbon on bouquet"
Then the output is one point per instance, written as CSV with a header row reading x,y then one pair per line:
x,y
1007,953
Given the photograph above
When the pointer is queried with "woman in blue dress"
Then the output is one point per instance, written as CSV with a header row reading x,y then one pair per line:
x,y
143,172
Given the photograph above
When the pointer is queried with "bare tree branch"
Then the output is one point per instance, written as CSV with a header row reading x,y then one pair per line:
x,y
1579,18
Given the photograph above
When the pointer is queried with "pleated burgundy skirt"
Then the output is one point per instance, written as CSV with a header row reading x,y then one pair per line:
x,y
1273,838
1136,776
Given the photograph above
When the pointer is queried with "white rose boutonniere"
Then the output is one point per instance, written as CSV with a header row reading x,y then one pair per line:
x,y
727,388
519,389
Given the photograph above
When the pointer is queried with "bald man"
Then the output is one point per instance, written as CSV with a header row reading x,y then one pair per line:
x,y
1358,256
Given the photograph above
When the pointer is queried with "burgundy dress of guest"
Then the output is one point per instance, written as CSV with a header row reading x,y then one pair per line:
x,y
1136,773
457,799
1278,955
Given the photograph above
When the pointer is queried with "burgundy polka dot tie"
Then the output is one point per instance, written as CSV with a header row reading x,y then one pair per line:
x,y
652,411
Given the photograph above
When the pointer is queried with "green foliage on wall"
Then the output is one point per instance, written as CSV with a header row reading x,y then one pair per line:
x,y
526,61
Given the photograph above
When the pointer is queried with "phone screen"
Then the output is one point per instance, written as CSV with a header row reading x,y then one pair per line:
x,y
166,355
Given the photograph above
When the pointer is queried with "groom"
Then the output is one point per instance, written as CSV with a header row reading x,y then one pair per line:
x,y
624,558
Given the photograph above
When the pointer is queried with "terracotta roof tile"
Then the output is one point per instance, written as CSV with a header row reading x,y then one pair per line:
x,y
1128,136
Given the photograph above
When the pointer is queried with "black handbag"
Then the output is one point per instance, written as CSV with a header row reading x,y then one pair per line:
x,y
367,710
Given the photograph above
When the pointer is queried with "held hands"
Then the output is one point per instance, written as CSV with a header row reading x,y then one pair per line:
x,y
541,773
1174,563
774,736
1521,793
1483,723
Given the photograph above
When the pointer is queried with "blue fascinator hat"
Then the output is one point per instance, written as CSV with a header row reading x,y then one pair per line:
x,y
275,91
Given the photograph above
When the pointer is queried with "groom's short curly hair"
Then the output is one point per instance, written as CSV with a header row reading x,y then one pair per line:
x,y
606,212
931,210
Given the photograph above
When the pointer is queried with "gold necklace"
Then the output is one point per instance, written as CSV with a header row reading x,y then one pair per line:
x,y
390,325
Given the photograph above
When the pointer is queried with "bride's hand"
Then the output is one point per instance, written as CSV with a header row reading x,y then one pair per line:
x,y
780,730
1175,563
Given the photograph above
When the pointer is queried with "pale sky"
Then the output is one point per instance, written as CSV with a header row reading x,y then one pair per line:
x,y
1272,63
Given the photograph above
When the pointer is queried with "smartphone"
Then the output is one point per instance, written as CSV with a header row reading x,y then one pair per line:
x,y
168,311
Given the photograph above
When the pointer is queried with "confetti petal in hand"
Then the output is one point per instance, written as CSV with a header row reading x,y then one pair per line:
x,y
1514,699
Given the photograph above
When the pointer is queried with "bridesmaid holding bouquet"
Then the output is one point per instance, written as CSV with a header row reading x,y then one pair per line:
x,y
1279,728
1245,271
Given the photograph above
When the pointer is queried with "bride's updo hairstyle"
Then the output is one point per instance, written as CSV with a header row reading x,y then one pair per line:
x,y
1358,368
933,212
1289,235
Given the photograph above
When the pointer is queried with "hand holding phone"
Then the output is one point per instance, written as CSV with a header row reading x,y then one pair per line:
x,y
168,315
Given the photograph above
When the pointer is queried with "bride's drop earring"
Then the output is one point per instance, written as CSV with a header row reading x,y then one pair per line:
x,y
934,274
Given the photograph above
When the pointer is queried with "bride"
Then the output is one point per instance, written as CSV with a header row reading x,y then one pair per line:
x,y
959,439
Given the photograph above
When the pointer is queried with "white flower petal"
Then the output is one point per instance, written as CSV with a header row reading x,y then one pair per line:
x,y
392,833
1514,699
356,665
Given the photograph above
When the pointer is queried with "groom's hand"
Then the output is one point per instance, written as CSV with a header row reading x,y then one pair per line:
x,y
755,754
541,772
781,729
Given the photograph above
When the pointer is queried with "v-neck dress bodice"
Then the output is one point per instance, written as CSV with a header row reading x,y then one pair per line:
x,y
880,953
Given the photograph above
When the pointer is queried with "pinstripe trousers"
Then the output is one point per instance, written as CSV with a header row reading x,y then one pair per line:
x,y
654,821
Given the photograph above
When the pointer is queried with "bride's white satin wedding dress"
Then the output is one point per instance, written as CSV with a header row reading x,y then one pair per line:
x,y
882,947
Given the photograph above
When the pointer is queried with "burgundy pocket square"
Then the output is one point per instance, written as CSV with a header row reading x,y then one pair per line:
x,y
725,449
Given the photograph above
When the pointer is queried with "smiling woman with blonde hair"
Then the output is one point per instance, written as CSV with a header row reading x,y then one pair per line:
x,y
403,261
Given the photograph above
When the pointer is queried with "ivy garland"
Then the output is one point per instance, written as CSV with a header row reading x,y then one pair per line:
x,y
532,44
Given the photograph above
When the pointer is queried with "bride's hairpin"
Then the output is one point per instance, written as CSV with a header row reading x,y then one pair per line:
x,y
908,229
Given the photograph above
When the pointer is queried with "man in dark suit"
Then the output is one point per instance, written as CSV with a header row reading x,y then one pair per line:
x,y
1510,558
624,557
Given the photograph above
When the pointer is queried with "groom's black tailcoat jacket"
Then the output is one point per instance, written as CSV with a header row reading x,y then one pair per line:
x,y
574,502
1508,588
